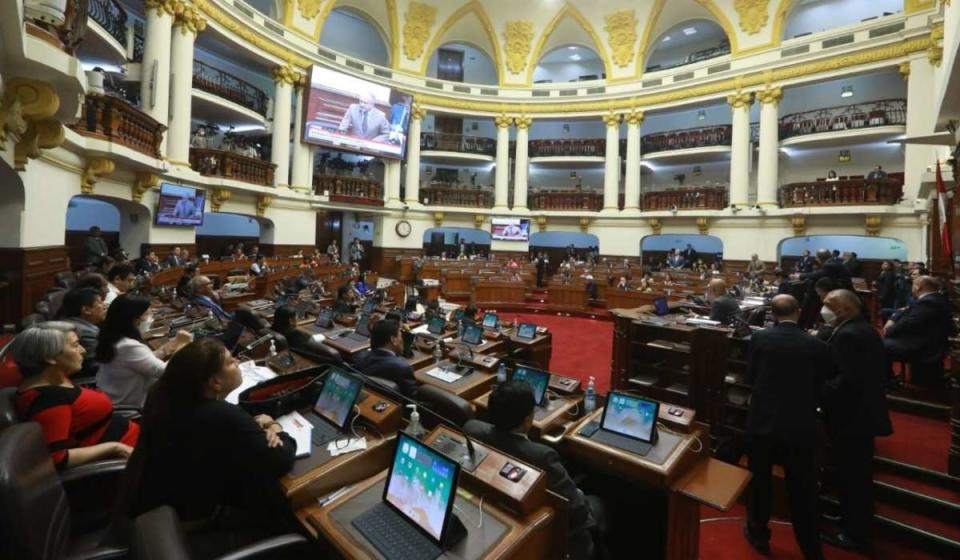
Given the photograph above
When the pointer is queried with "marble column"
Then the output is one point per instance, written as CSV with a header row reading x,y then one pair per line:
x,y
631,182
502,176
155,69
284,77
301,168
611,164
412,178
768,171
188,24
740,149
520,165
391,181
921,119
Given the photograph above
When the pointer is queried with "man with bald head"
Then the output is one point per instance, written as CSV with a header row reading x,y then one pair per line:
x,y
855,409
723,307
920,334
363,119
786,367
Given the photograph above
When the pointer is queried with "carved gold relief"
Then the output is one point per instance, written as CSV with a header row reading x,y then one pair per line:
x,y
189,19
904,69
12,122
770,95
799,222
703,225
171,7
27,109
523,121
621,27
218,197
40,135
418,112
96,168
309,8
144,182
478,220
519,36
935,52
417,23
753,14
584,224
542,223
438,218
740,99
287,75
503,121
263,202
611,119
634,117
656,225
872,225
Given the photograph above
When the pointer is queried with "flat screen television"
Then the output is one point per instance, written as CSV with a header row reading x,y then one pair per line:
x,y
179,205
348,113
510,229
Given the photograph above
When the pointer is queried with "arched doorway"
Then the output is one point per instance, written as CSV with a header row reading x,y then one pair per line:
x,y
870,251
558,245
124,225
445,241
654,248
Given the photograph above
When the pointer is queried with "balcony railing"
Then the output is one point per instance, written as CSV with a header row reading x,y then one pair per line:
x,y
442,195
111,16
351,190
219,163
846,117
687,138
137,41
723,48
579,147
566,200
688,198
115,120
229,87
463,143
849,192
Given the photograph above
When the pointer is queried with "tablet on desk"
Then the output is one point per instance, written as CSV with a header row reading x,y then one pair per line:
x,y
537,379
527,331
489,320
472,334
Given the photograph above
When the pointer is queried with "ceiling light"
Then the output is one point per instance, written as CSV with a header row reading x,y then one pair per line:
x,y
575,57
667,38
846,91
572,47
689,30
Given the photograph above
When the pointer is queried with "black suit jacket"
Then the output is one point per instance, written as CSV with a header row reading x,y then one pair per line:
x,y
832,269
580,517
854,268
922,331
383,363
723,309
854,398
786,368
887,288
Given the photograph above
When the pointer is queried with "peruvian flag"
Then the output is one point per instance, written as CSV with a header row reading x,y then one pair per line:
x,y
945,244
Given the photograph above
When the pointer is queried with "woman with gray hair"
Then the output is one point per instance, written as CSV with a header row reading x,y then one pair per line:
x,y
79,424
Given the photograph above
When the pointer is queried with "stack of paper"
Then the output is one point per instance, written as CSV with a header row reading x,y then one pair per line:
x,y
338,448
252,374
299,428
444,375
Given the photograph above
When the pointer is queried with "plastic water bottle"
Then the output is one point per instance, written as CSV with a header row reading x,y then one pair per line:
x,y
413,427
273,348
502,373
590,397
437,353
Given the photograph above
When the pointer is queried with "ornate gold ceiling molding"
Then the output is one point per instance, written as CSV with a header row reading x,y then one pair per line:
x,y
753,14
570,10
234,26
476,8
309,8
621,28
518,36
145,182
96,167
417,23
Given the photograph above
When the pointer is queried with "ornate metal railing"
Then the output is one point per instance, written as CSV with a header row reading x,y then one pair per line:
x,y
841,193
568,147
111,16
352,190
116,120
229,87
463,143
686,138
687,198
566,200
137,41
703,54
436,195
218,163
845,117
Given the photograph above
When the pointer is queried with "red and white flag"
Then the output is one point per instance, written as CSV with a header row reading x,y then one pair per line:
x,y
945,242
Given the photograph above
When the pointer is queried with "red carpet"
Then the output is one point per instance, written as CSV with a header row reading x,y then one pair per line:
x,y
581,347
917,440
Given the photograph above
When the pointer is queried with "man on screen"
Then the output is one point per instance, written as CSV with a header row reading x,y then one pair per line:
x,y
185,208
513,230
363,120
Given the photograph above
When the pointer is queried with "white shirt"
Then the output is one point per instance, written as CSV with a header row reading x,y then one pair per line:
x,y
133,370
112,293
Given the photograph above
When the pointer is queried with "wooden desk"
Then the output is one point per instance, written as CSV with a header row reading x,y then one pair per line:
x,y
568,295
538,350
630,299
487,292
557,412
457,283
429,293
467,387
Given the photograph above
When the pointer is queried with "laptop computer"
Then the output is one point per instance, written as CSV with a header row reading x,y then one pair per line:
x,y
415,519
628,423
472,334
337,399
538,381
489,320
362,331
324,318
527,331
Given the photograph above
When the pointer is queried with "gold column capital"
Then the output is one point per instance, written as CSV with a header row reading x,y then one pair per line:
x,y
170,7
287,75
611,119
740,99
523,122
635,117
904,69
189,20
770,95
417,113
503,121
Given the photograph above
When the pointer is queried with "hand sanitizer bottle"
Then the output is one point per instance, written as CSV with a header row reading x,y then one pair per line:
x,y
273,348
502,373
590,397
413,427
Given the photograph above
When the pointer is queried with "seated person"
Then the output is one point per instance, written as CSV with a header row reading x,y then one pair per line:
x,y
622,284
128,367
723,307
383,359
203,294
183,284
285,323
258,267
78,424
120,280
511,411
470,313
346,301
85,310
149,263
96,281
204,456
920,335
755,267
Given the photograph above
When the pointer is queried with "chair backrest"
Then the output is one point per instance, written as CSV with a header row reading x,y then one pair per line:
x,y
8,413
65,280
157,535
34,514
319,352
444,403
54,299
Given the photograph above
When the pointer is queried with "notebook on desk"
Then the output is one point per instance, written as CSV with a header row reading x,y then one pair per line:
x,y
629,423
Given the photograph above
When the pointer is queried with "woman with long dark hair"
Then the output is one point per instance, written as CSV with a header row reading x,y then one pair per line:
x,y
128,366
285,323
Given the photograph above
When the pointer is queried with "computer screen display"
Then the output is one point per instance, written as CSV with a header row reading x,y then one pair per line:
x,y
325,317
339,394
527,331
489,320
472,334
363,325
179,205
630,416
537,379
436,325
421,485
458,314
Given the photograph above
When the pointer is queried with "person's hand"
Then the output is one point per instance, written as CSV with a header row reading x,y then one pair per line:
x,y
273,435
182,339
264,420
121,450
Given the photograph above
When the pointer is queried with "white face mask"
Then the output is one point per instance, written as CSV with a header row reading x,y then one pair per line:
x,y
146,324
828,315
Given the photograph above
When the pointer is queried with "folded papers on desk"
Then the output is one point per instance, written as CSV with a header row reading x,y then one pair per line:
x,y
355,444
250,374
444,375
299,428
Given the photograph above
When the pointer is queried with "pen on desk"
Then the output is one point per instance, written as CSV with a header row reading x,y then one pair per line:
x,y
333,496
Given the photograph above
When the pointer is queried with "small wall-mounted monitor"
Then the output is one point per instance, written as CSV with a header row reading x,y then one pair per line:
x,y
510,229
180,206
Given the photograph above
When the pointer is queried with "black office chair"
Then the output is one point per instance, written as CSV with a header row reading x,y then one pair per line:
x,y
157,535
66,280
35,513
8,412
385,383
319,352
436,400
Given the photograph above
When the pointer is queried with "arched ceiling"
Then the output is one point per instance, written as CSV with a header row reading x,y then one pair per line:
x,y
470,25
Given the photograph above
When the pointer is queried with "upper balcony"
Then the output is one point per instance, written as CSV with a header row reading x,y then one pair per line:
x,y
349,189
231,165
115,120
861,122
448,146
447,194
710,143
569,200
107,38
226,86
685,198
846,191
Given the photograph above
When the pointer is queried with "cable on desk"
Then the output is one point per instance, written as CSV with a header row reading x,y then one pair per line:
x,y
480,524
664,427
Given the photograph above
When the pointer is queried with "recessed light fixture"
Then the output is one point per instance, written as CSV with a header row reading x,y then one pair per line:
x,y
572,47
575,57
667,38
846,91
689,30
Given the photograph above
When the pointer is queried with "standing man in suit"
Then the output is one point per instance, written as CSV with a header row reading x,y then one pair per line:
x,y
175,258
877,174
805,264
723,307
541,264
95,248
363,120
853,265
783,368
384,361
855,408
920,334
511,410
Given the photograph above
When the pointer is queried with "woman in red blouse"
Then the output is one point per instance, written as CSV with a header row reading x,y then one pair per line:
x,y
79,424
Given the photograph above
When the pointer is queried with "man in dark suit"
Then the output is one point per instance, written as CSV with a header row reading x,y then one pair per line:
x,y
384,361
723,307
784,366
920,334
829,267
174,259
84,308
855,408
805,264
853,265
95,248
511,409
364,120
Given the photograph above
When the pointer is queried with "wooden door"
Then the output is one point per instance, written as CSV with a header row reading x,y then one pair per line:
x,y
450,65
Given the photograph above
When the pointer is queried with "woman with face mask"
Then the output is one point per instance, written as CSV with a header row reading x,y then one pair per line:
x,y
128,367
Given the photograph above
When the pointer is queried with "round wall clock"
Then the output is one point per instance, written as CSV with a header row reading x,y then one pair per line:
x,y
403,228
